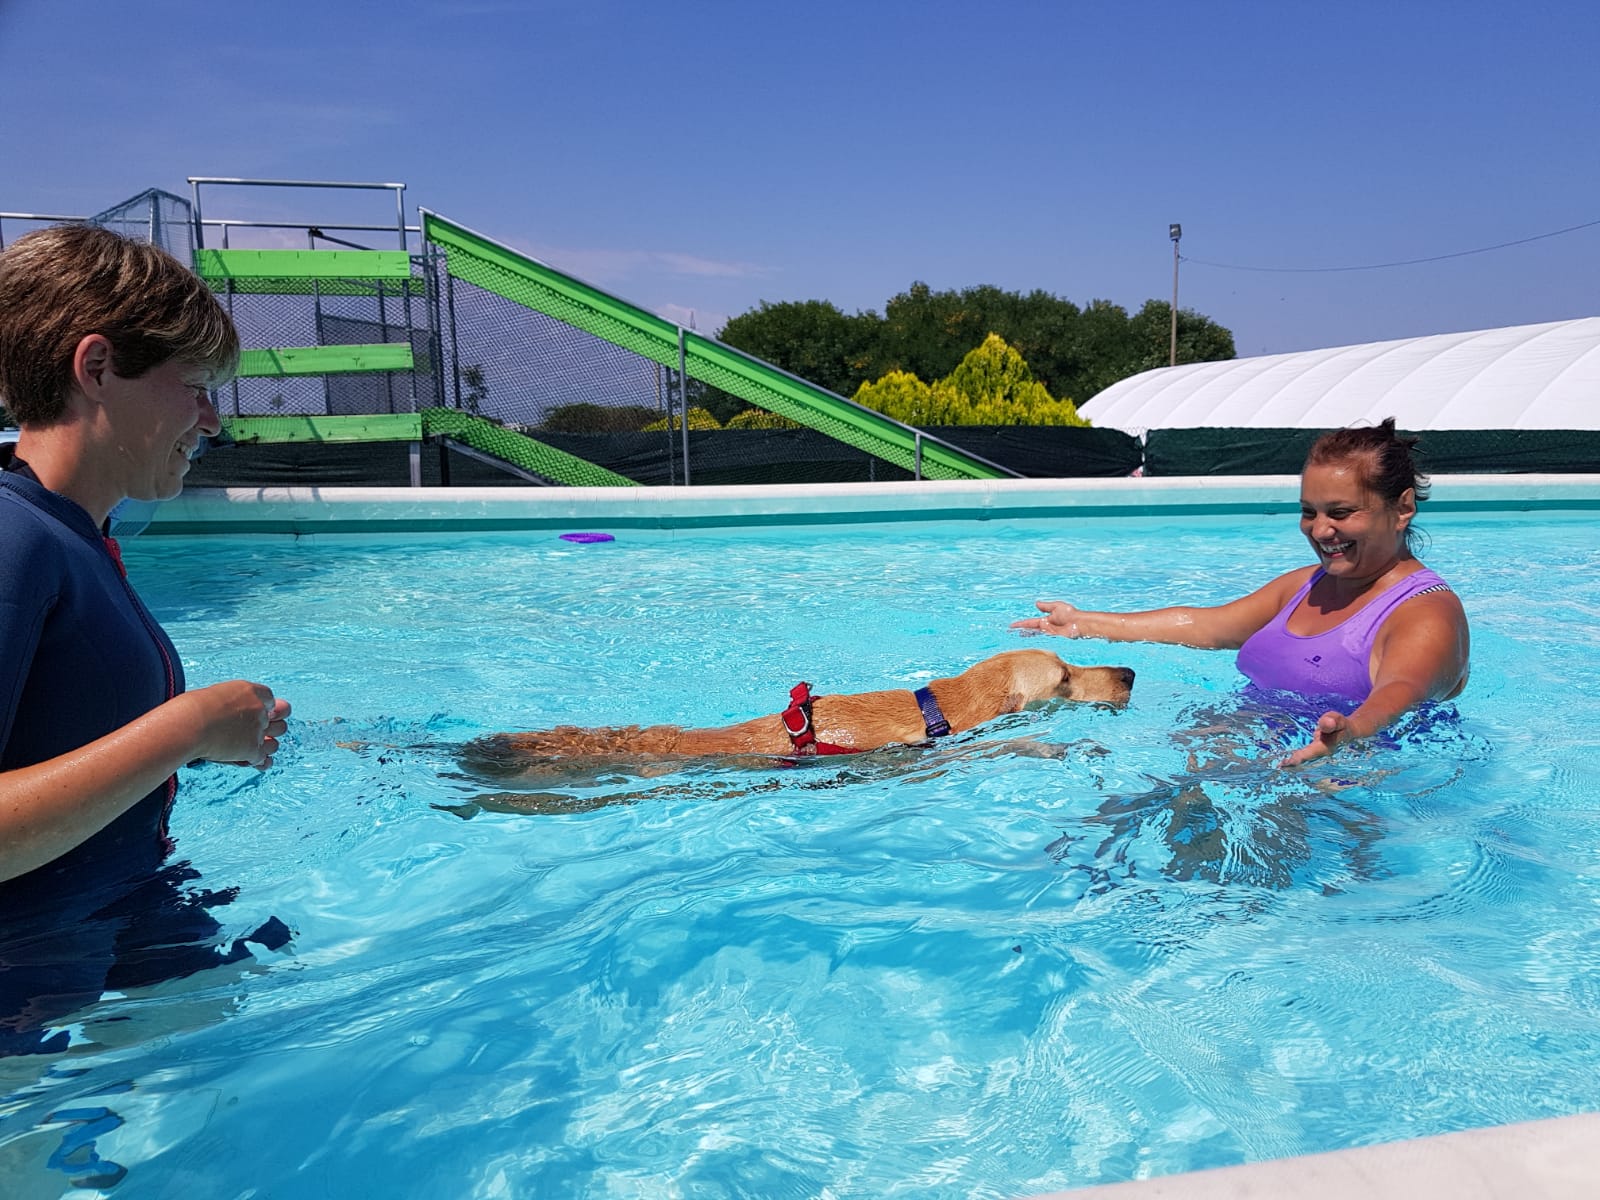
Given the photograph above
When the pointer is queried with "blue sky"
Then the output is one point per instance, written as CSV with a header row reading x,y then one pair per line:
x,y
701,157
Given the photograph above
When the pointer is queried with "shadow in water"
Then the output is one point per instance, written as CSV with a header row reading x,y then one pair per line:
x,y
1233,816
58,957
128,968
511,782
588,785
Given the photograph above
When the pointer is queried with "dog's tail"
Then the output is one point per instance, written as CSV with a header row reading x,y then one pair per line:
x,y
512,753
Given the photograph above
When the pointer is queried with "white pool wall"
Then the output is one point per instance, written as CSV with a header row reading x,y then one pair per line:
x,y
307,510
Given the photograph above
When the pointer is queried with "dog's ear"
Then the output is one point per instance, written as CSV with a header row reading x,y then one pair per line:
x,y
1064,688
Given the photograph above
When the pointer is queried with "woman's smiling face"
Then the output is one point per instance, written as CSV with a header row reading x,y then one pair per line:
x,y
1356,535
163,414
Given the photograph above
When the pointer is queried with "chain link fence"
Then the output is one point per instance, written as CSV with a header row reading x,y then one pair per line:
x,y
279,313
540,376
157,217
561,385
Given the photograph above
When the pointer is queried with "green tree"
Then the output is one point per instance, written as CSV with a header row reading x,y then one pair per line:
x,y
928,333
477,389
1200,339
715,401
813,339
1072,351
598,418
1043,329
1103,348
925,333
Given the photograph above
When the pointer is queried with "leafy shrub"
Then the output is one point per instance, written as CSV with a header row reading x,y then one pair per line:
x,y
992,385
699,418
598,418
901,395
759,418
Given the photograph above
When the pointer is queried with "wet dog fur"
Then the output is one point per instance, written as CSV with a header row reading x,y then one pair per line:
x,y
1004,683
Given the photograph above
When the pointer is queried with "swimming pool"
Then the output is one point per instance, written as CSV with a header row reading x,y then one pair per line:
x,y
1056,952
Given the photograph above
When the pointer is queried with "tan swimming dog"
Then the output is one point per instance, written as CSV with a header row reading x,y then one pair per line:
x,y
842,724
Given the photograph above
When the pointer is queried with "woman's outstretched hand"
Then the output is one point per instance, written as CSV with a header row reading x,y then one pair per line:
x,y
1333,730
1060,619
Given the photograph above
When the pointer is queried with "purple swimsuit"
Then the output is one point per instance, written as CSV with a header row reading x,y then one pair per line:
x,y
1335,663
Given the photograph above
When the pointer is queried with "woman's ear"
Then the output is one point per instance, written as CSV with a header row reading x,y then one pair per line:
x,y
91,363
1406,506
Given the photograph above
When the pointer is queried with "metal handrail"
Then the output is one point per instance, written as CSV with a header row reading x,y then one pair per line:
x,y
399,190
215,223
313,229
220,222
22,216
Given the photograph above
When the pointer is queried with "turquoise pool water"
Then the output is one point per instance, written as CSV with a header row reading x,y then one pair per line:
x,y
1073,947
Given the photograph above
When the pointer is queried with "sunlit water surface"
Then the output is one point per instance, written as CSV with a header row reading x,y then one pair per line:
x,y
1072,947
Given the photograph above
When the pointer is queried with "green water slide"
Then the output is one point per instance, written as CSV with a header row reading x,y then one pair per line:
x,y
475,259
531,456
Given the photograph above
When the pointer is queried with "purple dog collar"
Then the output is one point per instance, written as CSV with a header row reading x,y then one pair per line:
x,y
931,716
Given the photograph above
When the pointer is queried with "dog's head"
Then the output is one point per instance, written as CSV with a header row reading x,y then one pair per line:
x,y
1039,675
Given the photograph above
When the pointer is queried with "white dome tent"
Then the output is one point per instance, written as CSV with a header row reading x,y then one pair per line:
x,y
1523,377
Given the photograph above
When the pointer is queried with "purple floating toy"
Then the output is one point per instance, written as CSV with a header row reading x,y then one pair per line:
x,y
586,538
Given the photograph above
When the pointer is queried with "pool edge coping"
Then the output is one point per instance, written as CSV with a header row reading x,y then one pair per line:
x,y
301,510
1557,1158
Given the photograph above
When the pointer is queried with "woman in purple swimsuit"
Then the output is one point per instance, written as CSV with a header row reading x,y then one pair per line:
x,y
1368,628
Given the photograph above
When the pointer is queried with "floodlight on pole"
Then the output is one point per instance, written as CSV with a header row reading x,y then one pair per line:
x,y
1175,232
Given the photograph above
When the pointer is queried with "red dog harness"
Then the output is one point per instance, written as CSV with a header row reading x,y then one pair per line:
x,y
797,721
797,724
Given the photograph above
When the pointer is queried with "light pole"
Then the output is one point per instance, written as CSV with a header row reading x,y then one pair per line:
x,y
1174,232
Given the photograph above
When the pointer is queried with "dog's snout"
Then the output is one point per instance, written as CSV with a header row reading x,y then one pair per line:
x,y
1125,676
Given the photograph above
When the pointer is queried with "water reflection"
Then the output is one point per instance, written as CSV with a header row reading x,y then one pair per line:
x,y
1230,815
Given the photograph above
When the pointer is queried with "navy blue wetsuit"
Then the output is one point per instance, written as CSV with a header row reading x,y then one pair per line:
x,y
80,657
